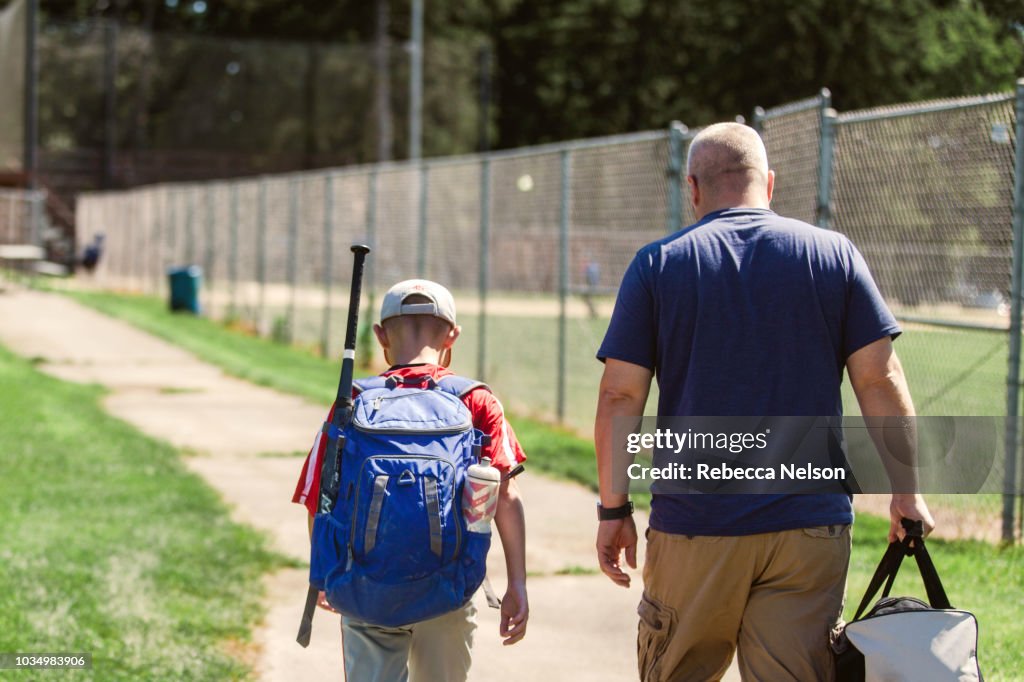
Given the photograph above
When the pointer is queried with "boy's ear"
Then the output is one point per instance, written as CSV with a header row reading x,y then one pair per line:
x,y
453,335
445,358
382,338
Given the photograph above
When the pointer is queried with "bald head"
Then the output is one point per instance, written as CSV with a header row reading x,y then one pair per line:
x,y
727,167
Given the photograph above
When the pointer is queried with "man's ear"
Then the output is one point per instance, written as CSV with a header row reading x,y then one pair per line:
x,y
771,184
691,181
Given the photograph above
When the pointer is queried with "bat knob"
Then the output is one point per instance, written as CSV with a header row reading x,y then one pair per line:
x,y
360,248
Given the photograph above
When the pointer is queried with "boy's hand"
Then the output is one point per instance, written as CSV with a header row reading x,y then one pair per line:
x,y
515,611
613,537
321,601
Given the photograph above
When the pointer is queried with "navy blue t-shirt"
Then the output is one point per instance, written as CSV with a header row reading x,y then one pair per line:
x,y
747,313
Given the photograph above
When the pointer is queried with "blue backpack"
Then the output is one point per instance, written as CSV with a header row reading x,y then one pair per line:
x,y
394,550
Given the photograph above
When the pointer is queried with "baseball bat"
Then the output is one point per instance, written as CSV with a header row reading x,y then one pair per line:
x,y
329,471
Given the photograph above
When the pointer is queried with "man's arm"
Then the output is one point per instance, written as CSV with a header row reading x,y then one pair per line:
x,y
623,393
881,388
511,523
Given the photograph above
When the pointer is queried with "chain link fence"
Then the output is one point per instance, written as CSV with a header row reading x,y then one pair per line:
x,y
21,217
534,242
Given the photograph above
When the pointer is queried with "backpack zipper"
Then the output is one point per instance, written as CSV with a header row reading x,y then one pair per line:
x,y
379,401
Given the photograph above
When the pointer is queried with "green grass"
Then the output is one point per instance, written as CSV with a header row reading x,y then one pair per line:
x,y
248,357
982,578
108,545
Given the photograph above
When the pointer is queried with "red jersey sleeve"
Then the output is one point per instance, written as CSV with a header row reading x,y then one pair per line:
x,y
489,416
307,490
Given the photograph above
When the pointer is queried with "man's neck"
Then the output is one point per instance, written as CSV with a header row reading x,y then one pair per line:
x,y
737,202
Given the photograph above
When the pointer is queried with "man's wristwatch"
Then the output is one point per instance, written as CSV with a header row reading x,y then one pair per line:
x,y
612,513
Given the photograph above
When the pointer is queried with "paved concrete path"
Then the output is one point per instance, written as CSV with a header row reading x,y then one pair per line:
x,y
581,626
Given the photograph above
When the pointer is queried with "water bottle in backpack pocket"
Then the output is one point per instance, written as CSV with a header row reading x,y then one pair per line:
x,y
395,549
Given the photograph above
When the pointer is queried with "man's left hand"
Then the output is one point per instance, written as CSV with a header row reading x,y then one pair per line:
x,y
612,538
910,507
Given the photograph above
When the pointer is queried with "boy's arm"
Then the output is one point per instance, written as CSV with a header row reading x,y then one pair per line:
x,y
511,523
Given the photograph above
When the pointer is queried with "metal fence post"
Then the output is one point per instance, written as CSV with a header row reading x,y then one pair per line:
x,y
563,282
1013,363
824,100
365,341
421,252
131,248
325,325
292,268
261,253
211,228
233,250
826,150
170,200
676,133
190,227
758,119
159,223
31,107
485,247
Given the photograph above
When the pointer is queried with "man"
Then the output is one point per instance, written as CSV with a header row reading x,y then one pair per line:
x,y
743,313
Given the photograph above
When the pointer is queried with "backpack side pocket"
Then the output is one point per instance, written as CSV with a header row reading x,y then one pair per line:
x,y
328,548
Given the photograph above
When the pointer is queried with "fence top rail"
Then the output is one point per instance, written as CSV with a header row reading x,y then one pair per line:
x,y
518,152
952,324
930,107
367,169
23,194
796,107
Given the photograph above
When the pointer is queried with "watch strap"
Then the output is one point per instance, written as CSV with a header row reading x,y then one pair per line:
x,y
612,513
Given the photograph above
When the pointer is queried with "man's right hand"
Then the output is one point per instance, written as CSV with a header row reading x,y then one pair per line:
x,y
911,507
612,538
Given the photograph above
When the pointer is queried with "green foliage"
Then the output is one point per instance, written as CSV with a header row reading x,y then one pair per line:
x,y
563,70
108,546
590,67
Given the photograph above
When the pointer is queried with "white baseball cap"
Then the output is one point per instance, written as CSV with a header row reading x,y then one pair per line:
x,y
440,304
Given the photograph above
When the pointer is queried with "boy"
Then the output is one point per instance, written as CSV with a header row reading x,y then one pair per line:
x,y
416,332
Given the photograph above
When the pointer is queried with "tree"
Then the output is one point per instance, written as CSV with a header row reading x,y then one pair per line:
x,y
590,67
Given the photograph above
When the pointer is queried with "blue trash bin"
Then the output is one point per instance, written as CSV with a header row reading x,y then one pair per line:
x,y
184,285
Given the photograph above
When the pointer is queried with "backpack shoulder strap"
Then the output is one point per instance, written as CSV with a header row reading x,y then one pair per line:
x,y
368,383
460,387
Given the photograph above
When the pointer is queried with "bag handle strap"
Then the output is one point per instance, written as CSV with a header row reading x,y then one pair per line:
x,y
912,544
932,584
885,573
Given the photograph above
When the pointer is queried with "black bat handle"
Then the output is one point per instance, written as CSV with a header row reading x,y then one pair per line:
x,y
306,626
351,330
355,292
